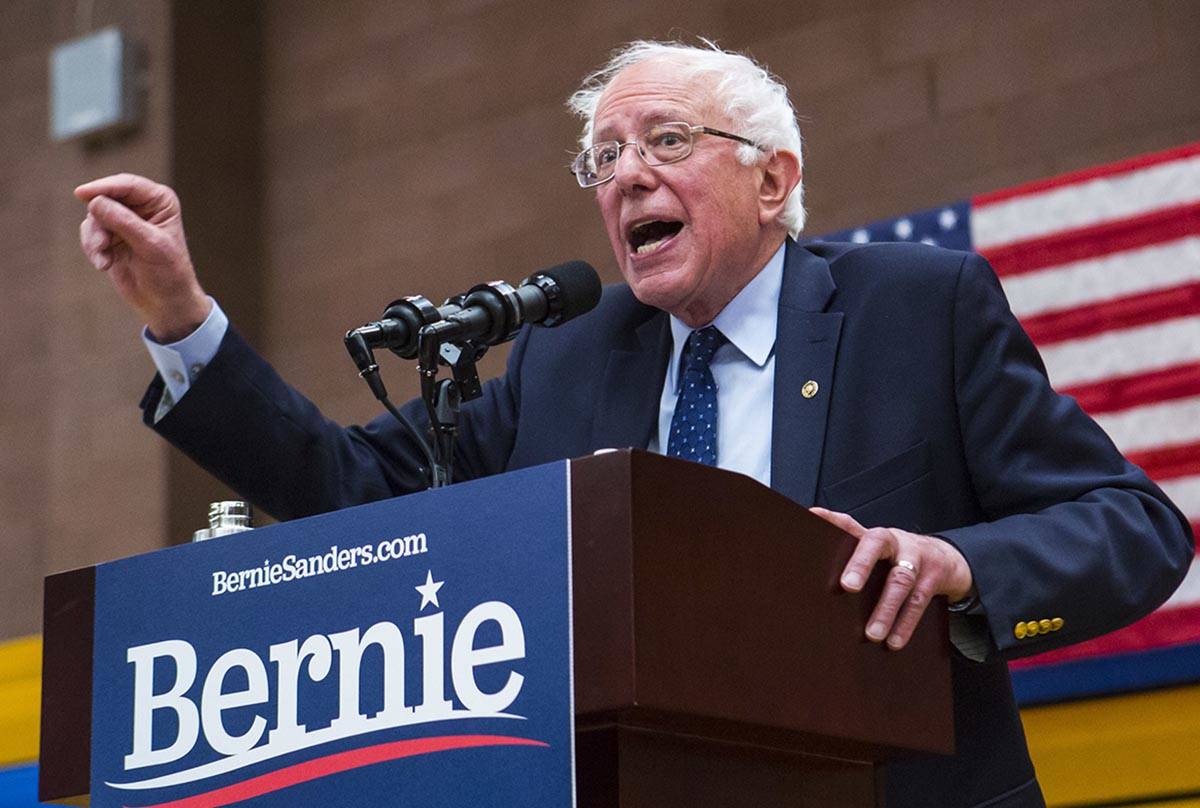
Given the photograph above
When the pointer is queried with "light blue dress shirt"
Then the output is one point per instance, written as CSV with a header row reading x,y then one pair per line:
x,y
179,363
744,370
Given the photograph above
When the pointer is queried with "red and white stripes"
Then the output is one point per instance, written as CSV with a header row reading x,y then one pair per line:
x,y
1102,267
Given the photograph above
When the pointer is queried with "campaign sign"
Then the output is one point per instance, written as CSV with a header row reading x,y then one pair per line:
x,y
409,652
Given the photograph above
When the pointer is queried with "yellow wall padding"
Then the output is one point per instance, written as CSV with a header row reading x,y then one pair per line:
x,y
1118,748
20,699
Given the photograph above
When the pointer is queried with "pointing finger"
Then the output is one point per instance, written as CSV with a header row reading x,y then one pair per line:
x,y
114,185
133,190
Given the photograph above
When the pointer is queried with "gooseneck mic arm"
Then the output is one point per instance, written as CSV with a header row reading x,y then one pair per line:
x,y
364,359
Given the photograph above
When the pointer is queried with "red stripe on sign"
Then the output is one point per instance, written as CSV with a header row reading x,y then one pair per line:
x,y
1158,630
1123,392
1168,462
1109,315
1093,241
1076,177
340,762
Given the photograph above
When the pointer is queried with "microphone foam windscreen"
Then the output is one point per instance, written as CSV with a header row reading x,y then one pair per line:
x,y
579,285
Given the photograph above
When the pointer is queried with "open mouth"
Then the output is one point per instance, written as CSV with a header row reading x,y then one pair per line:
x,y
650,236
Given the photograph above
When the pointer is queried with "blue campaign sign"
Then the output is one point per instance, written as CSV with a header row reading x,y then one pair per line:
x,y
414,651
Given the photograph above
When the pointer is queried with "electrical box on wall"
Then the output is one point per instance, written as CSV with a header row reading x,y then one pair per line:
x,y
94,89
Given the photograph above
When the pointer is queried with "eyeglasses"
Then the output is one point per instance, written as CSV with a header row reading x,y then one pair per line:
x,y
658,145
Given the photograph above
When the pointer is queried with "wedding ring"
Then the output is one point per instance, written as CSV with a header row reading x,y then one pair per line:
x,y
908,565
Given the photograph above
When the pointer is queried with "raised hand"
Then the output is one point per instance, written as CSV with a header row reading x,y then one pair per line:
x,y
134,232
923,566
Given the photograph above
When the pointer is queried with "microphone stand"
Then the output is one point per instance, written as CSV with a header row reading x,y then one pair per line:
x,y
489,313
443,399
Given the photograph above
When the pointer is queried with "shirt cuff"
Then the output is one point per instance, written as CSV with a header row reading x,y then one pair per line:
x,y
970,636
180,363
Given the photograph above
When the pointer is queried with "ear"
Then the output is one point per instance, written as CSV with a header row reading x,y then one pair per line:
x,y
780,175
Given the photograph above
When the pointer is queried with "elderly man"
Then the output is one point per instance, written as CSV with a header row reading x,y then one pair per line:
x,y
888,384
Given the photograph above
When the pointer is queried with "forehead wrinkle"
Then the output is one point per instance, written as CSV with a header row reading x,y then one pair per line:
x,y
665,95
646,120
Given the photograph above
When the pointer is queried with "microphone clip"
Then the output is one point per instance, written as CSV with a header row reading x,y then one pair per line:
x,y
440,343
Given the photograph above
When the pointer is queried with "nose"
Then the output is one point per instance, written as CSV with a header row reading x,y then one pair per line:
x,y
631,172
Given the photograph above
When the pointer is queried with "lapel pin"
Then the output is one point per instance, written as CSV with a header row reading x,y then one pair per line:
x,y
809,389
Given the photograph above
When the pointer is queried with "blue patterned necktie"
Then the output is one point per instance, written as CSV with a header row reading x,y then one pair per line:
x,y
694,424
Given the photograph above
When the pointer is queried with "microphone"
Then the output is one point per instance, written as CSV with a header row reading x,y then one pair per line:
x,y
487,314
456,335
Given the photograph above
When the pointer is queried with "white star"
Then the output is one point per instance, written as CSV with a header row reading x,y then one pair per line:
x,y
904,229
947,219
429,590
860,236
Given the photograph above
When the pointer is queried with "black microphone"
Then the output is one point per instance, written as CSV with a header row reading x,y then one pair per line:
x,y
487,314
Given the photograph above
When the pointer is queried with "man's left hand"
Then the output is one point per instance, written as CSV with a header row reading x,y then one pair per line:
x,y
923,566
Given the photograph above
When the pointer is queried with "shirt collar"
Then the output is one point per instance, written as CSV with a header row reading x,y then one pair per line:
x,y
749,320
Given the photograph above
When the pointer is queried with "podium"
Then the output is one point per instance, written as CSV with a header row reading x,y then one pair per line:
x,y
717,662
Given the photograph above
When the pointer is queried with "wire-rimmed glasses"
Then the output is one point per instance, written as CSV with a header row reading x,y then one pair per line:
x,y
658,145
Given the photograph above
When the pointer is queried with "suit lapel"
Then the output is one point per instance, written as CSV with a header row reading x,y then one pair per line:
x,y
629,395
806,343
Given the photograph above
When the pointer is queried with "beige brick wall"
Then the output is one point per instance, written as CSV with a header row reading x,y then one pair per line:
x,y
419,147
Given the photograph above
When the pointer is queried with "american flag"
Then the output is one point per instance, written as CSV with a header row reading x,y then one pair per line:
x,y
1102,268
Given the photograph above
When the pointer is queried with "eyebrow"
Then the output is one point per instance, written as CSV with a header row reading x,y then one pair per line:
x,y
656,117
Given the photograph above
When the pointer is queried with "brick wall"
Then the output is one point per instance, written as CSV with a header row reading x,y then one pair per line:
x,y
419,147
79,481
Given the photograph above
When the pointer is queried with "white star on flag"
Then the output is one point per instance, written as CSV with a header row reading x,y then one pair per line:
x,y
429,591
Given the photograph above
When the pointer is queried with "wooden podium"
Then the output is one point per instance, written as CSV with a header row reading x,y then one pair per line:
x,y
717,662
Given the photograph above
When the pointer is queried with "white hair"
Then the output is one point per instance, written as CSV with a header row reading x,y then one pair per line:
x,y
754,100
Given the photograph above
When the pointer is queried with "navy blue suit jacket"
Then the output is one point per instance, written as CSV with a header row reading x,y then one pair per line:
x,y
933,415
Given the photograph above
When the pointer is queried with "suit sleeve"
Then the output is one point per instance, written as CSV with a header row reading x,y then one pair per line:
x,y
1074,530
250,429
